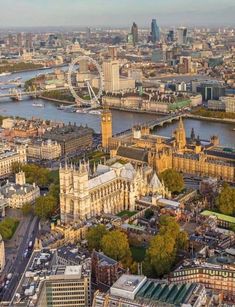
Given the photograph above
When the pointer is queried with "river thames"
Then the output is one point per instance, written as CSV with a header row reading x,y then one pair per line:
x,y
121,120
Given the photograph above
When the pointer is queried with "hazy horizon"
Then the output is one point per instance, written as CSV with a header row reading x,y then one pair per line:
x,y
115,13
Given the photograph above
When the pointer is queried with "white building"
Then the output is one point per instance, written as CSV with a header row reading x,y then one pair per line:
x,y
229,102
111,76
19,193
45,150
8,157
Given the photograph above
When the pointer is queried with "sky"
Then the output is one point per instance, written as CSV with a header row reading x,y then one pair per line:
x,y
37,13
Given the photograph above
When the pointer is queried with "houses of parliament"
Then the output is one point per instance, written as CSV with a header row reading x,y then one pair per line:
x,y
187,155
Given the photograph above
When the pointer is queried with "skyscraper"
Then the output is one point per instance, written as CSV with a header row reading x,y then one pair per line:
x,y
10,40
155,31
20,40
182,35
134,32
29,41
111,76
88,33
171,36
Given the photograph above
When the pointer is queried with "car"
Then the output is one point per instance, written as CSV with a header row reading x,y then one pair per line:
x,y
26,253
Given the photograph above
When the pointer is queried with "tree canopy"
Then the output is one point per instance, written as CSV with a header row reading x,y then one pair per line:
x,y
94,237
163,248
173,180
8,227
27,209
45,206
34,173
226,200
115,245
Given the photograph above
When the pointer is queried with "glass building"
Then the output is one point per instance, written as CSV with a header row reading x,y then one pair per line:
x,y
155,31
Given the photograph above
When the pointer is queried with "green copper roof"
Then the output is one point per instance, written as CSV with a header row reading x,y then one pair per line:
x,y
220,216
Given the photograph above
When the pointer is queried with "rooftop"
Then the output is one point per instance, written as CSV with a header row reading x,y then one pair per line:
x,y
128,282
222,217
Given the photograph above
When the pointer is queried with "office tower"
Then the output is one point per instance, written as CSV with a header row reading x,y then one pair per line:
x,y
157,55
155,31
113,52
130,39
134,32
20,40
29,41
69,286
171,36
106,127
88,33
111,76
210,90
186,62
182,35
10,40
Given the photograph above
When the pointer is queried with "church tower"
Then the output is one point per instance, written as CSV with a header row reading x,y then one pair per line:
x,y
106,127
180,136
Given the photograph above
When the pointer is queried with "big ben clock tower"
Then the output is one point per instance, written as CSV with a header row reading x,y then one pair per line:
x,y
106,127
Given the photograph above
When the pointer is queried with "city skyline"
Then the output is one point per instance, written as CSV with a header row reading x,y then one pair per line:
x,y
27,13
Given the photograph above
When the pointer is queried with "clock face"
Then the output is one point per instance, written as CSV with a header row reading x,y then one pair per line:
x,y
103,118
109,118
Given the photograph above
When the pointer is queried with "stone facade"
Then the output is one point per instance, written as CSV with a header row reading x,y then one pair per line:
x,y
110,189
7,158
47,150
19,193
187,155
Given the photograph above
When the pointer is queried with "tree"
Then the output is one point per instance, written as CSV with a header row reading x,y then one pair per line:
x,y
45,206
226,200
115,245
43,177
8,227
54,190
27,209
94,237
168,224
182,241
161,254
163,248
173,180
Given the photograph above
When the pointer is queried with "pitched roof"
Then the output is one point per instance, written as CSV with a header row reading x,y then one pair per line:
x,y
137,154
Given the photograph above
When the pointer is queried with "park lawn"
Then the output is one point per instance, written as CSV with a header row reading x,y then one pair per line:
x,y
8,227
126,213
138,253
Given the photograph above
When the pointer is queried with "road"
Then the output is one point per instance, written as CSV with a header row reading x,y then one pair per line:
x,y
20,262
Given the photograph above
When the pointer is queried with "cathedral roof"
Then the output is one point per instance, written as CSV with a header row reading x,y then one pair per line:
x,y
110,173
128,172
102,179
117,165
101,169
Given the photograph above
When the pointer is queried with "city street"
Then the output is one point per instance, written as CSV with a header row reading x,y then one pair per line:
x,y
16,263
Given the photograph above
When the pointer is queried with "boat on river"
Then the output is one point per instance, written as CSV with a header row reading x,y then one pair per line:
x,y
81,111
95,112
39,105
